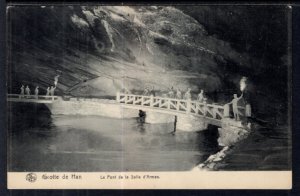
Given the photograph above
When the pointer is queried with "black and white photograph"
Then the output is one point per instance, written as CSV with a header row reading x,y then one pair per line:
x,y
148,88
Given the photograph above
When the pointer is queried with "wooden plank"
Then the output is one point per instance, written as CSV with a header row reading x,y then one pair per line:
x,y
147,102
219,113
163,104
173,104
122,99
157,101
137,100
182,106
131,99
201,109
209,111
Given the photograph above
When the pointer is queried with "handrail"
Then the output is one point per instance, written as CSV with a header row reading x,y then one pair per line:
x,y
204,109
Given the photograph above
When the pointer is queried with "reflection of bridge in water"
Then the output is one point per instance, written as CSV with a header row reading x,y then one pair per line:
x,y
186,110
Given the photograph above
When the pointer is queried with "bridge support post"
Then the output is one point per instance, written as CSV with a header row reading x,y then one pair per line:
x,y
151,100
143,101
175,123
226,111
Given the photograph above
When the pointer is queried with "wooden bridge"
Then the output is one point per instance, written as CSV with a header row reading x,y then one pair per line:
x,y
212,113
31,98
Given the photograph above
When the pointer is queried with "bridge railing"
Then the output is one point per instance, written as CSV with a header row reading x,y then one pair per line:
x,y
213,111
39,97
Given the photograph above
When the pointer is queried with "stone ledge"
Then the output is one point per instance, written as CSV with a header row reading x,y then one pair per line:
x,y
231,132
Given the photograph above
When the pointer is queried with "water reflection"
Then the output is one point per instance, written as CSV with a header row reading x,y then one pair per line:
x,y
93,143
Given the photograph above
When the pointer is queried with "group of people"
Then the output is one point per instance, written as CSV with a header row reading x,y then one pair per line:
x,y
178,94
187,95
26,92
175,94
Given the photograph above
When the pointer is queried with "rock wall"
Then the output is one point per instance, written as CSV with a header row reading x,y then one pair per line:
x,y
231,132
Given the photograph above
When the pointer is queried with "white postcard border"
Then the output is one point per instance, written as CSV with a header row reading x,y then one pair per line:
x,y
151,180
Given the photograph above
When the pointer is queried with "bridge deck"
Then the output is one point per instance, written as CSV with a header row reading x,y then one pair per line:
x,y
31,98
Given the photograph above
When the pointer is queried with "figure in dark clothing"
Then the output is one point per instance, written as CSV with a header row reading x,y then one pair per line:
x,y
142,116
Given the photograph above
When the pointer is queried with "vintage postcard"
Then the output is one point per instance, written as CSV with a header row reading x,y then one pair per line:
x,y
149,96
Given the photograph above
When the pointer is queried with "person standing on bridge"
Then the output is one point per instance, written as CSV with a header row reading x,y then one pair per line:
x,y
146,91
48,91
52,89
201,96
234,103
152,91
178,94
36,92
27,91
171,93
187,94
22,91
